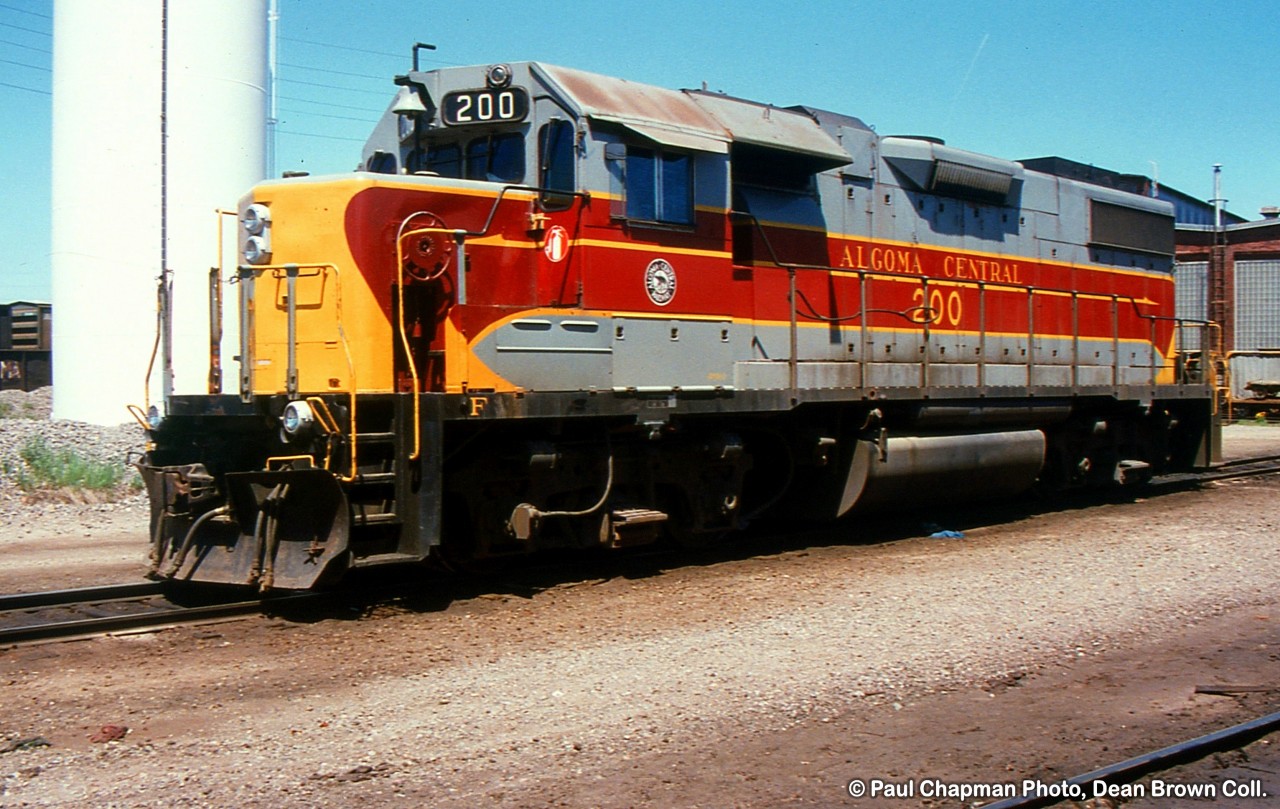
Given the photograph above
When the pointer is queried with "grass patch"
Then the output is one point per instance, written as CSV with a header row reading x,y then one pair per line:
x,y
1257,420
25,410
63,469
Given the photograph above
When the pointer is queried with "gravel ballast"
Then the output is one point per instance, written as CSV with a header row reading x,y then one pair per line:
x,y
28,419
682,686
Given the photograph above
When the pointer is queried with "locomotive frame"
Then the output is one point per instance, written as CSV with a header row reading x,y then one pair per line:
x,y
560,309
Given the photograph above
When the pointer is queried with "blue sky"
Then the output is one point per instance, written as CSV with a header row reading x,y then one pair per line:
x,y
1139,87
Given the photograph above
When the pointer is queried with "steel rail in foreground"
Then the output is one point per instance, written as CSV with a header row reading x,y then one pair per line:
x,y
1229,470
176,614
144,618
1132,769
1240,461
1243,467
53,598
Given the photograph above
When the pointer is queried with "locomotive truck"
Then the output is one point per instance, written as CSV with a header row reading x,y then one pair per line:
x,y
557,309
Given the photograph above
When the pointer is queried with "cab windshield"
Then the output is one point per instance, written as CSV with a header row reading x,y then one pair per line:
x,y
495,158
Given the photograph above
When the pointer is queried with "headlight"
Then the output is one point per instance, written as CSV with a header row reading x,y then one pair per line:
x,y
255,219
257,250
297,419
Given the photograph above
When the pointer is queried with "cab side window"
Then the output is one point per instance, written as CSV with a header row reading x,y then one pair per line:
x,y
659,186
555,164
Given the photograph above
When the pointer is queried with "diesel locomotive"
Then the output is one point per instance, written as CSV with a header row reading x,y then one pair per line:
x,y
556,309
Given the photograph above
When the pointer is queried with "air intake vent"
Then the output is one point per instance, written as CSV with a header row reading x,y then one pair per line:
x,y
941,169
1124,228
960,180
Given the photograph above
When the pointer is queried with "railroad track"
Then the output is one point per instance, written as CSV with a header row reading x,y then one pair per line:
x,y
1228,470
94,611
1130,770
1245,467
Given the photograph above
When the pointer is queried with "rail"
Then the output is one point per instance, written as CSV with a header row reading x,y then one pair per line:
x,y
94,611
1132,769
163,291
927,313
1260,466
401,235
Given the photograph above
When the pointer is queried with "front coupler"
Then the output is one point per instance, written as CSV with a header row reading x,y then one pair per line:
x,y
284,529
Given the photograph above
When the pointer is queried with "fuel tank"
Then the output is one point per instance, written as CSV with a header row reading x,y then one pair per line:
x,y
901,470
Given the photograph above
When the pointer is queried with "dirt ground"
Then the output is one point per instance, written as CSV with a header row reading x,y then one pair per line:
x,y
1050,640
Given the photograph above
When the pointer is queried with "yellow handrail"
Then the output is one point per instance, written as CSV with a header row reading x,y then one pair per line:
x,y
328,423
139,415
215,305
342,335
289,458
401,235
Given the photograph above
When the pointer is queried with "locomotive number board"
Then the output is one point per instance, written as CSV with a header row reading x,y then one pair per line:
x,y
485,106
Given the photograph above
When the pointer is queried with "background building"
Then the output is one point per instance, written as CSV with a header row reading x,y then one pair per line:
x,y
26,338
1227,272
1232,275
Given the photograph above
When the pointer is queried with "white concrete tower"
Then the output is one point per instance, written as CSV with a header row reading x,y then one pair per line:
x,y
159,116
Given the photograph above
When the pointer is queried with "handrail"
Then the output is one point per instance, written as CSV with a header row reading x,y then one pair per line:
x,y
1031,336
535,189
982,286
460,235
155,346
246,270
139,415
216,275
404,334
287,459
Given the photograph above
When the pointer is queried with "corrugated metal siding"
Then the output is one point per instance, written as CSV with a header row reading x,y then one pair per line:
x,y
1257,305
1246,368
1191,298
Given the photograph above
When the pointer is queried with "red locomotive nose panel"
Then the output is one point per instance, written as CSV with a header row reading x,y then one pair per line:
x,y
375,215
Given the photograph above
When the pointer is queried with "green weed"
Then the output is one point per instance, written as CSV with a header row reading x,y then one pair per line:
x,y
27,410
49,468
